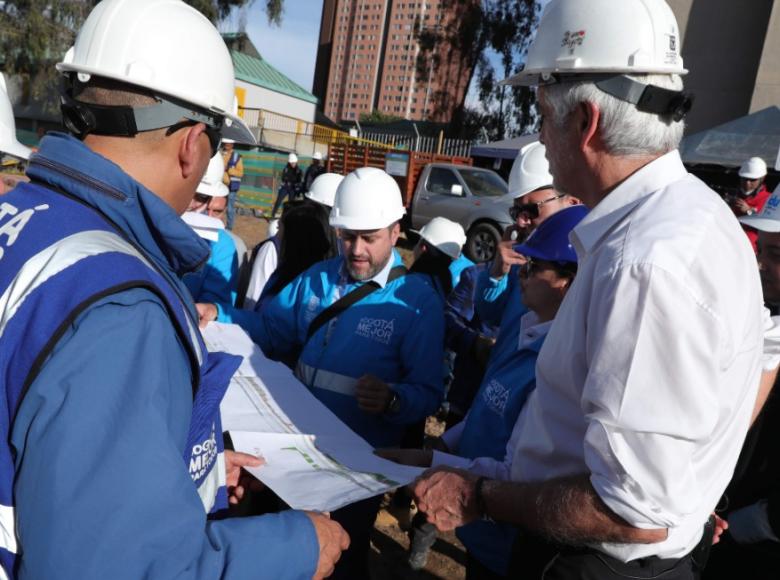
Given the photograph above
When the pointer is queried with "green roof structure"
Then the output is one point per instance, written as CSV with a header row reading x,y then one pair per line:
x,y
257,71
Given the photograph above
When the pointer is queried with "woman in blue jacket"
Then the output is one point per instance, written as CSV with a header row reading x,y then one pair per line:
x,y
480,441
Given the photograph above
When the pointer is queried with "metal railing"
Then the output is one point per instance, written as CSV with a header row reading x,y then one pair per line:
x,y
422,144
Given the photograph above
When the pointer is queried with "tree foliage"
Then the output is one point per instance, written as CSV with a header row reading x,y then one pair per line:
x,y
34,34
487,27
377,117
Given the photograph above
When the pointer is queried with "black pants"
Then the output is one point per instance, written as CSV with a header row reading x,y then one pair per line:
x,y
729,560
536,559
285,192
357,519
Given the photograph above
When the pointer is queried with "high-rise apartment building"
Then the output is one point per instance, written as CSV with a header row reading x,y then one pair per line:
x,y
373,56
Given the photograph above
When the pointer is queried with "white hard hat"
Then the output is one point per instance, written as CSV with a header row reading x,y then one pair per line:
x,y
323,189
273,228
164,46
317,155
530,171
445,235
8,142
367,199
753,168
769,218
211,184
603,36
292,158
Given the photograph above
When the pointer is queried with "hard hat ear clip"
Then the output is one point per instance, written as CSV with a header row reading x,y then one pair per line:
x,y
77,118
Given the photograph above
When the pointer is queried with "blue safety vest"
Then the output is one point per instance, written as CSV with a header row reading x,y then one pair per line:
x,y
59,256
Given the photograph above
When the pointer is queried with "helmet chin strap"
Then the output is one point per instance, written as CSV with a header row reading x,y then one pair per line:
x,y
648,98
82,118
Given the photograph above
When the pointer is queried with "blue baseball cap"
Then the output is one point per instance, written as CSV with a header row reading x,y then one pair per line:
x,y
550,241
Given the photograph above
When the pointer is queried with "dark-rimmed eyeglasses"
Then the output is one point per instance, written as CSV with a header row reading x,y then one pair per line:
x,y
214,134
531,210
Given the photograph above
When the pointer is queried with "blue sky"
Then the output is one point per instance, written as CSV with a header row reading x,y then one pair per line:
x,y
292,48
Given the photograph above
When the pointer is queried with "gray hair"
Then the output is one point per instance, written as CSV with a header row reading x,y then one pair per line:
x,y
625,130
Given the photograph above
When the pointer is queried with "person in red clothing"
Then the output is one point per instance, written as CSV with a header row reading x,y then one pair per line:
x,y
752,193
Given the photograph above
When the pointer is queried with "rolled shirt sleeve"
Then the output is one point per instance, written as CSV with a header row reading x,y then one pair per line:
x,y
650,397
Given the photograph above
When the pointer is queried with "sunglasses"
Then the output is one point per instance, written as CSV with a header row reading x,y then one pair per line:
x,y
530,210
530,268
214,134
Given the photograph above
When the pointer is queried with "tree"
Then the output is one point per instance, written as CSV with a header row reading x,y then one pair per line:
x,y
34,34
378,117
503,27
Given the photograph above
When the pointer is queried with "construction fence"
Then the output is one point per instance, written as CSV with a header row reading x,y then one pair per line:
x,y
291,134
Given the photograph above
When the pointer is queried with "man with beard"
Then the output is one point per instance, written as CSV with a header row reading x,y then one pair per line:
x,y
375,362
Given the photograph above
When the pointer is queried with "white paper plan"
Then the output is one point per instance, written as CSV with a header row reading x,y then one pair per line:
x,y
313,460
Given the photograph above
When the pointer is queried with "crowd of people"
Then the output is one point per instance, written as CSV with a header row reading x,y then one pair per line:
x,y
607,378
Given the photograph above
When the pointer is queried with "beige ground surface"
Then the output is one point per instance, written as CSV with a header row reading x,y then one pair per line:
x,y
389,542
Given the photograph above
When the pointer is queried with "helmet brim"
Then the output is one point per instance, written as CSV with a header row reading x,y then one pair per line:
x,y
761,224
16,149
361,224
535,77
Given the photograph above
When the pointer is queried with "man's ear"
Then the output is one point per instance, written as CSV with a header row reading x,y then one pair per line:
x,y
191,151
588,116
395,232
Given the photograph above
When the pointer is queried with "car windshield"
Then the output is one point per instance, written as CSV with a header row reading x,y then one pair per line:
x,y
484,183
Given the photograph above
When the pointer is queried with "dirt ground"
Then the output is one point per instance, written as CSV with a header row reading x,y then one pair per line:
x,y
389,543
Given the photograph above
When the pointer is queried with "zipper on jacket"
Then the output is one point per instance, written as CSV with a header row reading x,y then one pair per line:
x,y
91,182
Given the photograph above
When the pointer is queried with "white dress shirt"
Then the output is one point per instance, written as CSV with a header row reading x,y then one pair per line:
x,y
266,261
648,376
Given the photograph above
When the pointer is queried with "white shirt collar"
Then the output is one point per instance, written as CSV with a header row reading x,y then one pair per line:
x,y
654,176
381,276
531,329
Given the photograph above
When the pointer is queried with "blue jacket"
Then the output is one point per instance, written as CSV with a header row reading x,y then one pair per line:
x,y
396,333
217,281
457,267
500,302
509,379
102,490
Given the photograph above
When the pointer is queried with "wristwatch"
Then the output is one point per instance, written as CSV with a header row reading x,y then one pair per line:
x,y
394,404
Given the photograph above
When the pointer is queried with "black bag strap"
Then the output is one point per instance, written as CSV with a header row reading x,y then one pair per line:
x,y
348,300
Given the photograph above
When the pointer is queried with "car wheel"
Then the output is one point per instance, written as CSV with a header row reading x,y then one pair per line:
x,y
482,242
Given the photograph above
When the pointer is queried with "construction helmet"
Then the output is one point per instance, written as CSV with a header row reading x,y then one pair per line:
x,y
550,241
8,142
292,158
165,47
753,168
323,189
530,171
367,199
445,235
605,40
317,155
211,184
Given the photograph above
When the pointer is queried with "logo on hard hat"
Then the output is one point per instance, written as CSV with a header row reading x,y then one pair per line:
x,y
573,39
